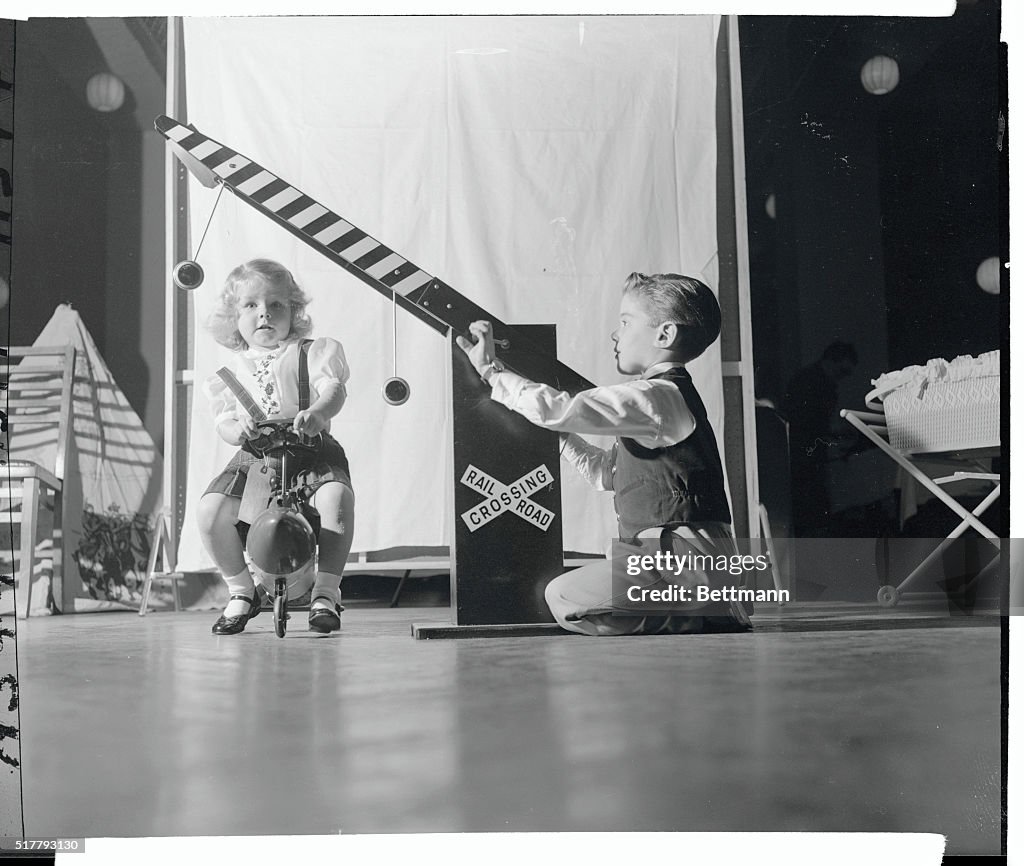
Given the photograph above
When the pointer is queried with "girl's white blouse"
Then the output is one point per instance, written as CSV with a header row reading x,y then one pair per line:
x,y
327,365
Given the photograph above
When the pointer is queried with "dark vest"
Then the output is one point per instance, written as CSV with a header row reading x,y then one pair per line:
x,y
681,483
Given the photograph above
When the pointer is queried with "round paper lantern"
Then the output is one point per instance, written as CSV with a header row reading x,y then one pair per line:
x,y
105,92
880,75
769,205
988,275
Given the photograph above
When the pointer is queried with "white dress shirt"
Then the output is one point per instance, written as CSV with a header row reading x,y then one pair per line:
x,y
651,411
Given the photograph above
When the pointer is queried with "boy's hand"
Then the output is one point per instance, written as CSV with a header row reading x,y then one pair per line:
x,y
309,422
481,352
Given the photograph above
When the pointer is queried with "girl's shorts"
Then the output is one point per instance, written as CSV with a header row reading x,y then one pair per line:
x,y
313,470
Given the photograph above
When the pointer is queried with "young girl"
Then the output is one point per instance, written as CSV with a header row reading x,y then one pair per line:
x,y
261,315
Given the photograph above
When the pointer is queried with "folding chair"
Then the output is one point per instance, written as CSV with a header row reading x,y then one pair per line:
x,y
39,405
873,425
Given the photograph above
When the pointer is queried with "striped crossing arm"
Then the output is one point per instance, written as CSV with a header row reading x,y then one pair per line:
x,y
426,297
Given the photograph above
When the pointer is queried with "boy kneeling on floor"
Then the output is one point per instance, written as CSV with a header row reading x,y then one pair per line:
x,y
664,467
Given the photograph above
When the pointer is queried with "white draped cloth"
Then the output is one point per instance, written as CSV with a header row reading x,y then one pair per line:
x,y
532,163
112,487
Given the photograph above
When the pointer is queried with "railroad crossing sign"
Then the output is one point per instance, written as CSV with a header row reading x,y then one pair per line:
x,y
514,497
499,574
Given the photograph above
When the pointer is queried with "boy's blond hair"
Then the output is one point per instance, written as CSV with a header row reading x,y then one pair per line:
x,y
684,301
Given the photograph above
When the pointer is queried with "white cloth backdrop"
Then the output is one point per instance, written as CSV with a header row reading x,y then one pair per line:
x,y
530,162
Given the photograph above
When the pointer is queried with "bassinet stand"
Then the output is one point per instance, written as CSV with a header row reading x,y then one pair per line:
x,y
873,426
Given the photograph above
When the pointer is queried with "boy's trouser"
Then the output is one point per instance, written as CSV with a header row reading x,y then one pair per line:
x,y
590,600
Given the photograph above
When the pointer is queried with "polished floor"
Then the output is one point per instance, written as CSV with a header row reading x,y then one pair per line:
x,y
154,727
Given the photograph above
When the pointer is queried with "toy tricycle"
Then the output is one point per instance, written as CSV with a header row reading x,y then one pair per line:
x,y
281,540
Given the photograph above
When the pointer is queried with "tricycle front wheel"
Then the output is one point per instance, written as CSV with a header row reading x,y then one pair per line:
x,y
280,607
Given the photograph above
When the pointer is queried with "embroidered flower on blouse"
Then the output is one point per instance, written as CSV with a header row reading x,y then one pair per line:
x,y
265,380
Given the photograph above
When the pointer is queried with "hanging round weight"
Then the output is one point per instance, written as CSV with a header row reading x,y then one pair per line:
x,y
187,275
396,391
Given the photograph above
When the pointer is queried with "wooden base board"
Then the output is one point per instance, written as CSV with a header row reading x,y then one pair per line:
x,y
448,631
439,630
888,623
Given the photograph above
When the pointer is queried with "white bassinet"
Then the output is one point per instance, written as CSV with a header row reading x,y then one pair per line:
x,y
943,407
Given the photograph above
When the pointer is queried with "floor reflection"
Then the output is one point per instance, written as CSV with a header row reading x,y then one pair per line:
x,y
153,727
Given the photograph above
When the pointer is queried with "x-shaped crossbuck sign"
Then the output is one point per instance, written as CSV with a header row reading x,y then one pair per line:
x,y
514,497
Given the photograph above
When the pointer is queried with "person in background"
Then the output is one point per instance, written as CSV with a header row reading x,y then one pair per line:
x,y
811,407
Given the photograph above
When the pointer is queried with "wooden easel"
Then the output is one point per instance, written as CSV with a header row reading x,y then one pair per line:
x,y
160,545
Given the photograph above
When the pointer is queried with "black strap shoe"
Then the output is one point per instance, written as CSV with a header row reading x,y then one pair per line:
x,y
323,620
235,624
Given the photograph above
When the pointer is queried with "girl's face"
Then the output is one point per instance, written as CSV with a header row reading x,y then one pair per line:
x,y
264,314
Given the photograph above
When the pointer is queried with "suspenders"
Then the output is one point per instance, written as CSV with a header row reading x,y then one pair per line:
x,y
304,374
245,398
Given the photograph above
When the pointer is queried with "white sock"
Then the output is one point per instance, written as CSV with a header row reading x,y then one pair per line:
x,y
327,586
240,584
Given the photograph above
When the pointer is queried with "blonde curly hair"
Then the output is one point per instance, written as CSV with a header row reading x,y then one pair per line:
x,y
223,321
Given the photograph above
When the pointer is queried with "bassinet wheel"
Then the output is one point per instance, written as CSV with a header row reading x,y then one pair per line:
x,y
280,609
888,596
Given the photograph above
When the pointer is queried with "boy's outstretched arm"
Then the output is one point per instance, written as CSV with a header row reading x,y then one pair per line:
x,y
592,462
651,411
